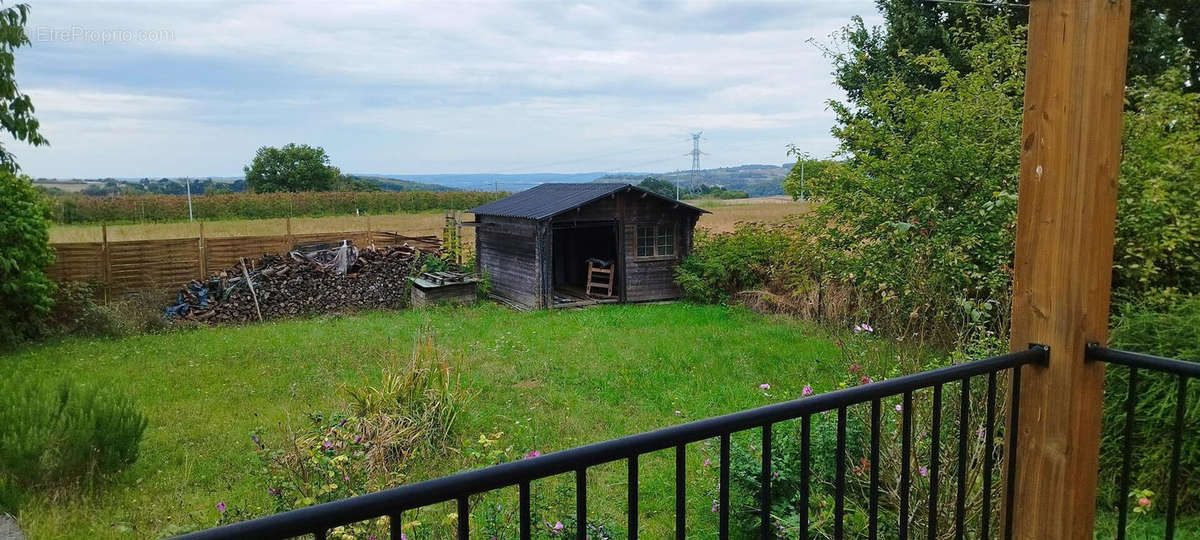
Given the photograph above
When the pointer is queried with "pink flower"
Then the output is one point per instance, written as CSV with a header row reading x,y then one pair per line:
x,y
867,328
555,529
707,462
899,407
678,413
764,386
1144,502
923,471
715,506
532,454
866,380
221,507
855,368
326,445
806,391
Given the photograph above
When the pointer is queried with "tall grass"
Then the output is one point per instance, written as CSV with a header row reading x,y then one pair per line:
x,y
56,435
160,208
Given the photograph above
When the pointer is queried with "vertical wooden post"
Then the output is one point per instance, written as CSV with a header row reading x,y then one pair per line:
x,y
288,241
1070,158
106,271
203,254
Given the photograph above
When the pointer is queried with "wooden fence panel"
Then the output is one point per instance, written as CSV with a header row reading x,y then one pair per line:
x,y
164,265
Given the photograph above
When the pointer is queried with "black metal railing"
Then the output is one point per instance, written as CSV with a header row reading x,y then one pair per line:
x,y
1182,371
318,520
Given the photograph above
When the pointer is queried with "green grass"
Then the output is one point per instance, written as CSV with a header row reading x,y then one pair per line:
x,y
550,380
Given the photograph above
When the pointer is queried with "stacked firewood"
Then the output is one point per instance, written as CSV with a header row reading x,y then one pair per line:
x,y
300,284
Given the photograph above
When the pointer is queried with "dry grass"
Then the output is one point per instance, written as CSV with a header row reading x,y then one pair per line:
x,y
725,214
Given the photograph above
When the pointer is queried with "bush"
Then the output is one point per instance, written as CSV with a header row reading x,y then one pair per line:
x,y
411,412
1174,332
721,265
25,291
56,436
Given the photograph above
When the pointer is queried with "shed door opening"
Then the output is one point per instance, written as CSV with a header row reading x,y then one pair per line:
x,y
573,246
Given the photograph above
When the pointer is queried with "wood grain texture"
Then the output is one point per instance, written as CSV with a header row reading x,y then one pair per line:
x,y
1071,152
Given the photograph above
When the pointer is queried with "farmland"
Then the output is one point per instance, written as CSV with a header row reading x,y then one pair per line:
x,y
725,214
648,367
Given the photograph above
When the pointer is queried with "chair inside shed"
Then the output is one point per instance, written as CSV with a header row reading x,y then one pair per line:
x,y
573,247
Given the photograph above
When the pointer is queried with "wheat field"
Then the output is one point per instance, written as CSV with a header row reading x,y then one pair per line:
x,y
725,215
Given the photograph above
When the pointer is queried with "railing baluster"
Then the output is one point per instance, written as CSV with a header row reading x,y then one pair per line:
x,y
396,525
1127,455
680,492
319,534
765,495
805,436
633,497
581,503
873,504
964,419
526,531
723,497
464,519
989,459
839,492
934,455
1011,464
1173,490
905,462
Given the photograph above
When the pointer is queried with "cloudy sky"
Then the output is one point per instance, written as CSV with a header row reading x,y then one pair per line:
x,y
193,88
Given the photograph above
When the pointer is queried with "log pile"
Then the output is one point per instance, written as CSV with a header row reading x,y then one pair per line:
x,y
299,284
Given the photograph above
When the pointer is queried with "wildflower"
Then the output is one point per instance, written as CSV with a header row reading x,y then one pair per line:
x,y
924,471
715,506
532,454
555,529
855,368
764,386
1144,502
327,445
867,328
221,507
866,380
806,391
980,433
899,407
255,439
273,492
678,413
858,329
358,439
707,462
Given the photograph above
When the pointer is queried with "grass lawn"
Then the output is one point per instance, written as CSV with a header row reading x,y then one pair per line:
x,y
549,380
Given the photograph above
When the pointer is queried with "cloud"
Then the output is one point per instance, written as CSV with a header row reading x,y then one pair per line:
x,y
423,86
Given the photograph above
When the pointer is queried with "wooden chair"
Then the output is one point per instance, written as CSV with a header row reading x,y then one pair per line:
x,y
605,275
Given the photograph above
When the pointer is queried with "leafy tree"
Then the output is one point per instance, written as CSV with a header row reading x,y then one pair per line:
x,y
797,179
348,182
658,185
25,291
16,109
291,168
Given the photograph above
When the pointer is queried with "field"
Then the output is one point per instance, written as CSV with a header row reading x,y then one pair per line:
x,y
206,390
725,214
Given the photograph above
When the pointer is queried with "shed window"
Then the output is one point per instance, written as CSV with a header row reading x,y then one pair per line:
x,y
655,240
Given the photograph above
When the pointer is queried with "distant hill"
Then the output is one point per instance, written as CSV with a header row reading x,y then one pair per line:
x,y
489,182
396,184
756,180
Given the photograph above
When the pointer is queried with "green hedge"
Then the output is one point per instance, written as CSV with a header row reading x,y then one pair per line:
x,y
141,208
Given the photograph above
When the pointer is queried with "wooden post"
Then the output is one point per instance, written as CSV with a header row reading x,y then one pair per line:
x,y
203,255
105,261
1070,158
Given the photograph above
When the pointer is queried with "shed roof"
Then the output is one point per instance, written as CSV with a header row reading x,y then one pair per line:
x,y
548,200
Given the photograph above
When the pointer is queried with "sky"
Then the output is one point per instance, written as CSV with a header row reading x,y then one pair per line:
x,y
170,88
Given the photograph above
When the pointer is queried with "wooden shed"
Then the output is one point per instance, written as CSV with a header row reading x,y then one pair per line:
x,y
537,246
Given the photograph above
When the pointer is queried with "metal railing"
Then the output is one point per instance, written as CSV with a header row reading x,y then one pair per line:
x,y
1182,371
318,520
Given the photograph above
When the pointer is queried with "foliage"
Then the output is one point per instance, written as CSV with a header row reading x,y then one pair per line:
x,y
16,109
78,209
25,291
659,186
59,435
704,191
721,265
163,186
77,313
410,413
291,168
1173,331
805,170
1158,233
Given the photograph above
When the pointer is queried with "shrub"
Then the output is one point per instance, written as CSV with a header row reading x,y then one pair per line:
x,y
721,265
1172,331
55,436
411,412
77,313
25,291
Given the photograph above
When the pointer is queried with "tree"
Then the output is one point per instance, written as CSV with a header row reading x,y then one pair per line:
x,y
658,185
16,109
291,168
25,291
